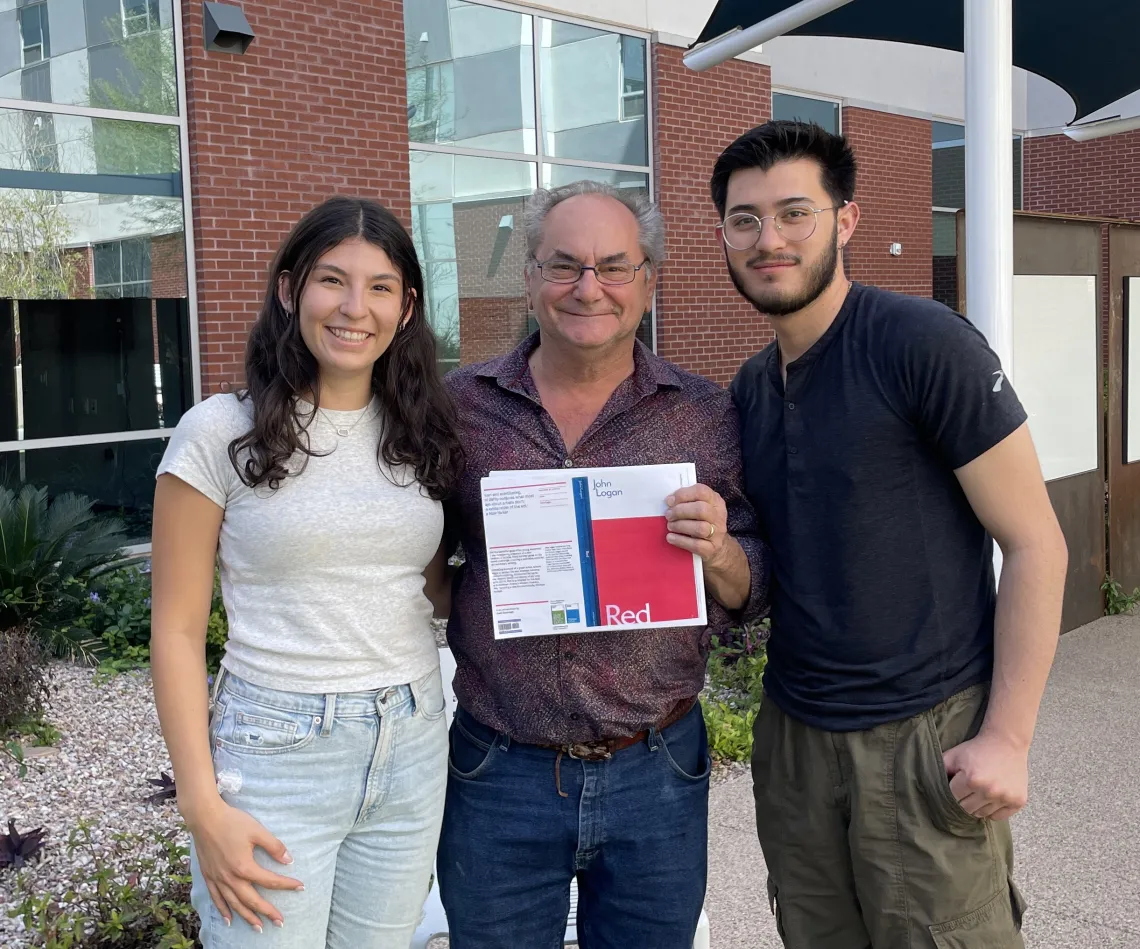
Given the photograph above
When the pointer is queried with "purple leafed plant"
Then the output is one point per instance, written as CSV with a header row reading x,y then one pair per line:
x,y
17,849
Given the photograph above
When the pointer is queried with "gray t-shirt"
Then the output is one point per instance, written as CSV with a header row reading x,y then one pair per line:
x,y
322,578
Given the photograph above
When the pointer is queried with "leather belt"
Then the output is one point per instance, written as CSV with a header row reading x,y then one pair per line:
x,y
604,748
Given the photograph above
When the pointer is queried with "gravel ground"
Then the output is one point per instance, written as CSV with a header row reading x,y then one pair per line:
x,y
98,770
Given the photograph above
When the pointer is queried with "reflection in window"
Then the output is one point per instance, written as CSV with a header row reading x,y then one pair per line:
x,y
122,268
593,95
806,109
555,176
117,476
467,225
948,166
139,16
470,76
945,265
34,33
632,78
112,54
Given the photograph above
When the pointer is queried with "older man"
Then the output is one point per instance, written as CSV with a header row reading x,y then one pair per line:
x,y
586,754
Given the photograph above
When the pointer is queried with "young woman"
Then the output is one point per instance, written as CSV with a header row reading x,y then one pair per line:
x,y
314,790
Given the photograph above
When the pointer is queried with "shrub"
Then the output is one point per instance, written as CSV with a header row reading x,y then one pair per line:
x,y
117,615
23,677
137,896
49,553
734,691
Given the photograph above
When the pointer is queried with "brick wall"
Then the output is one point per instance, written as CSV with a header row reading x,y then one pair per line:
x,y
490,326
893,192
168,266
316,106
702,323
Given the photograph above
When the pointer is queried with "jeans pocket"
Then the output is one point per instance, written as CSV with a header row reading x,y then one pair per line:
x,y
246,727
995,925
427,692
468,758
686,748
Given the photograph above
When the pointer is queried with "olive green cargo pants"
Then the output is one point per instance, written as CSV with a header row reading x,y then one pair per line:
x,y
865,844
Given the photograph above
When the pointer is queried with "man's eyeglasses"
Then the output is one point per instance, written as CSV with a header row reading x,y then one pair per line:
x,y
741,231
613,274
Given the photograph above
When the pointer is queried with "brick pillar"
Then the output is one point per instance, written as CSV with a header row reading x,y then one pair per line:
x,y
702,323
315,107
893,192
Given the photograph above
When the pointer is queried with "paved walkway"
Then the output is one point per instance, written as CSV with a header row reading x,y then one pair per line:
x,y
1078,841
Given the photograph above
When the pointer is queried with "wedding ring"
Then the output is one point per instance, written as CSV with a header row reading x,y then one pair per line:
x,y
712,530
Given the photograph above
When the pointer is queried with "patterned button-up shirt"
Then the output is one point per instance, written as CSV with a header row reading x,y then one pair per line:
x,y
566,688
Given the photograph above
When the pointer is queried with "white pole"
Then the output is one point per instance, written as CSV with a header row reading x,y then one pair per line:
x,y
989,178
989,172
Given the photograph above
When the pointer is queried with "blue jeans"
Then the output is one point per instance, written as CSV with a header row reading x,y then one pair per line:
x,y
634,829
353,786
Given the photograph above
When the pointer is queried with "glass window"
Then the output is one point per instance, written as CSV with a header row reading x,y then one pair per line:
x,y
110,54
948,166
139,16
117,476
467,225
806,109
34,33
470,76
945,265
555,176
593,94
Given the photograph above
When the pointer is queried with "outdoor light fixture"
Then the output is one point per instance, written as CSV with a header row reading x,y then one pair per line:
x,y
896,249
225,28
1087,131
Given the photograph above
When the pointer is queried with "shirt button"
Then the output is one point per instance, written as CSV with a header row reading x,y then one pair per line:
x,y
793,450
568,463
791,406
569,655
574,716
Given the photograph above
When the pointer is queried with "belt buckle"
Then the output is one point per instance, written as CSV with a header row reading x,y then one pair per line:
x,y
589,751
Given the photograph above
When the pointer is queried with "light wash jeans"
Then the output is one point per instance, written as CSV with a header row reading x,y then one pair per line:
x,y
353,785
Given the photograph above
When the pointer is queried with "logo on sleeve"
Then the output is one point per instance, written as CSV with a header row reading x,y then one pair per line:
x,y
999,378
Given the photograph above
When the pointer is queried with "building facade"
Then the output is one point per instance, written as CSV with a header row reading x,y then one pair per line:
x,y
146,182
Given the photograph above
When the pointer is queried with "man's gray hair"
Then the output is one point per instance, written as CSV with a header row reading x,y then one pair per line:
x,y
650,223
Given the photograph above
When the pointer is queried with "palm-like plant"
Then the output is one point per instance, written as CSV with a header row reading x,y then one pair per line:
x,y
49,553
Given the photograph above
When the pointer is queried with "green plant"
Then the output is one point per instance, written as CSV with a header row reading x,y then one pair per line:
x,y
135,897
49,554
117,615
732,697
1116,601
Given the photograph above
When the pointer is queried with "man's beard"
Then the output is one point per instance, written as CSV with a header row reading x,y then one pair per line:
x,y
775,303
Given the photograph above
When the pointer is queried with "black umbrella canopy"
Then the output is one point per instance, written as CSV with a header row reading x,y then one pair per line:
x,y
1089,48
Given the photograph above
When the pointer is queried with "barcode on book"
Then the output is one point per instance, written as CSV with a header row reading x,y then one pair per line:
x,y
510,625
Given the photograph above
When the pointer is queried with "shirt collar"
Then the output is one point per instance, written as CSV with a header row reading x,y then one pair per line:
x,y
512,371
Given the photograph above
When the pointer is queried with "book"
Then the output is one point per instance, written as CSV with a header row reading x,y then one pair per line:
x,y
585,550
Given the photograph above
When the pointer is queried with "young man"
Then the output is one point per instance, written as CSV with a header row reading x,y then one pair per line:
x,y
586,755
883,449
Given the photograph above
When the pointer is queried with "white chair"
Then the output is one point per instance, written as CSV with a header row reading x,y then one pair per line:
x,y
433,922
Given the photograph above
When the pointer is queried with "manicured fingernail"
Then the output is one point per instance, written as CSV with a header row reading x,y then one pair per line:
x,y
259,929
279,923
288,857
229,922
300,887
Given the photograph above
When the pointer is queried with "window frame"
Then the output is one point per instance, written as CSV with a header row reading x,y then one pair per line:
x,y
540,156
152,15
44,44
818,97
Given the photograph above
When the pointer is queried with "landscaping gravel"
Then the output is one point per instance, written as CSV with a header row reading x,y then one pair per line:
x,y
98,770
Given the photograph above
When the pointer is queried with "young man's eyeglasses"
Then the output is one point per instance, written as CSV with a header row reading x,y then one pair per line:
x,y
614,274
741,231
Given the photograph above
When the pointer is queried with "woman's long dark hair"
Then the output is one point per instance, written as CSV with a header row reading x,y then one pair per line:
x,y
419,418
